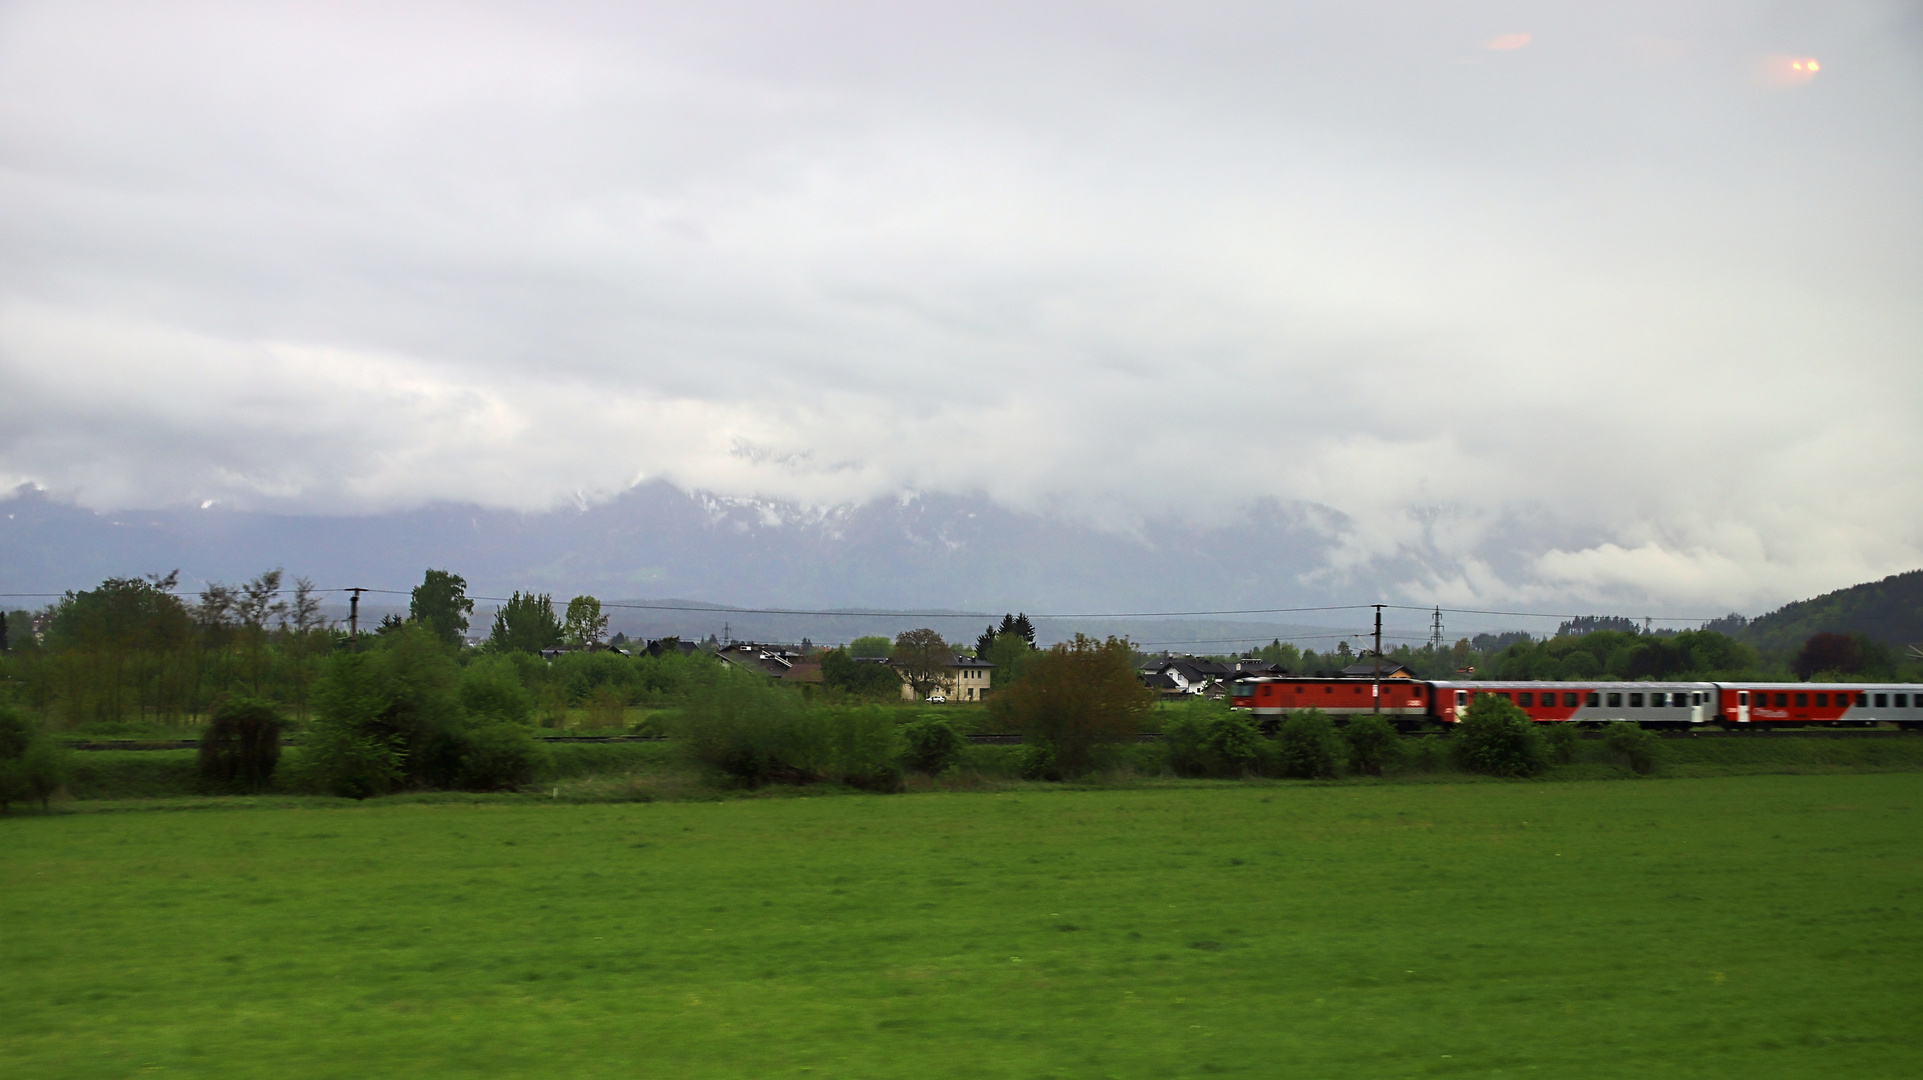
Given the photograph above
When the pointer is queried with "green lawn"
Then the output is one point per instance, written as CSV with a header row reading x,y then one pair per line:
x,y
1755,927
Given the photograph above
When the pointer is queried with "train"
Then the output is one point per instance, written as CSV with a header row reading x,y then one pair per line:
x,y
1412,703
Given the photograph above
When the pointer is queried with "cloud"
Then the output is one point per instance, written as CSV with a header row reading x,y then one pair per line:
x,y
1578,327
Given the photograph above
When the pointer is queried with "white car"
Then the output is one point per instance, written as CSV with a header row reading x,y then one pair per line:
x,y
936,699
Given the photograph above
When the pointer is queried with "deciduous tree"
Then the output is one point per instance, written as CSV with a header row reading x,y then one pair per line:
x,y
922,659
440,603
1074,697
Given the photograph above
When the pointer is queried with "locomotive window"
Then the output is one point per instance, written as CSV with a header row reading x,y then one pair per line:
x,y
1568,700
1802,701
1525,698
1822,700
1615,701
1882,701
1862,699
1635,701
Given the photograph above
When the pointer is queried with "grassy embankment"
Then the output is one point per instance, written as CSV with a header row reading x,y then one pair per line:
x,y
1759,926
654,770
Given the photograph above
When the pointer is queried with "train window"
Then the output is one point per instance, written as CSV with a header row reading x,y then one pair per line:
x,y
1742,697
1862,699
1525,699
1802,701
1902,701
1504,696
1462,697
1635,701
1882,701
1782,701
1615,701
1695,699
1822,700
1568,700
1594,700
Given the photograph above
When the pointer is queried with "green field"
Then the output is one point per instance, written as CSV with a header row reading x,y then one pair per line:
x,y
1755,926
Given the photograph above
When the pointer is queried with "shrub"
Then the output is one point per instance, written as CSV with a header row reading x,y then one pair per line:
x,y
44,767
32,766
1496,738
1038,761
1637,748
1560,742
1075,696
1233,745
1308,744
241,746
933,745
1185,735
755,732
491,688
1373,744
500,757
337,759
864,747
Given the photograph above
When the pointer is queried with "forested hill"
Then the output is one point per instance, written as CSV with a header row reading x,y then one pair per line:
x,y
1889,611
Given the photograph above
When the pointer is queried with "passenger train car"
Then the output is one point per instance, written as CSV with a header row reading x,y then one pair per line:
x,y
1412,702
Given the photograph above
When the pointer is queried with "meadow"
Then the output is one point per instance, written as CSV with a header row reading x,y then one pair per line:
x,y
1744,925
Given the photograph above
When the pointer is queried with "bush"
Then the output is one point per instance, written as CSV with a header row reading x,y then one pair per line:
x,y
337,759
241,746
1635,747
491,688
500,757
1233,745
755,732
1560,742
1206,738
1074,697
32,766
933,745
1308,744
1038,761
1496,738
1373,744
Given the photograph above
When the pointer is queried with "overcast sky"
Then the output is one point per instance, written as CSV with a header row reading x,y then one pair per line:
x,y
1590,301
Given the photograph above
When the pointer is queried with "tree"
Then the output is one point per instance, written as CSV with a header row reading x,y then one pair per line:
x,y
440,603
1019,626
585,624
1308,744
1373,744
1840,653
872,645
305,608
1011,654
1074,697
922,659
241,745
858,678
526,623
1497,738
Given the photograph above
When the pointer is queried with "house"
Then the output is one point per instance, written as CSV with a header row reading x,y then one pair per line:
x,y
965,679
1177,675
802,673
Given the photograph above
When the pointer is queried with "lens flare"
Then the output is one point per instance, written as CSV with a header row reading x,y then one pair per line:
x,y
1507,42
1779,70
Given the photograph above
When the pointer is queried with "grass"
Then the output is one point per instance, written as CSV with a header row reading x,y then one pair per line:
x,y
1768,926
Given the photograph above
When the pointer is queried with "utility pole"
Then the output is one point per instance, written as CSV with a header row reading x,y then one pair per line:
x,y
354,618
1377,677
